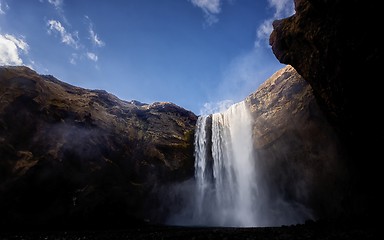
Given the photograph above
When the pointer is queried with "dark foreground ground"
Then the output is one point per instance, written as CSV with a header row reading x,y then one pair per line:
x,y
311,230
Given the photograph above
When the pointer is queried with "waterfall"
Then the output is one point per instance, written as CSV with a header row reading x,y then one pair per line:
x,y
232,187
225,172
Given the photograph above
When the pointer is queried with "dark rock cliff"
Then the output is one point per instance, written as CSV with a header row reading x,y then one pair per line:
x,y
83,158
298,152
333,46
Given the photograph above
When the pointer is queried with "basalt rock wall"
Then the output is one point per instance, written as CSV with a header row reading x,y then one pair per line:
x,y
333,46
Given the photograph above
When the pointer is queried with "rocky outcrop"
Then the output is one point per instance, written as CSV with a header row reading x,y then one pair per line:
x,y
76,157
298,152
83,158
333,46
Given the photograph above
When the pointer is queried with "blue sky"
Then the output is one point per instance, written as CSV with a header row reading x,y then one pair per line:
x,y
197,54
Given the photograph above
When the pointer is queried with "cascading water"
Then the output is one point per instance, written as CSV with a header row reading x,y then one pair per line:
x,y
225,169
232,187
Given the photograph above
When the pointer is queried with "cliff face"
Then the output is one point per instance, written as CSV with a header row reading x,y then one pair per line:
x,y
332,45
71,156
298,152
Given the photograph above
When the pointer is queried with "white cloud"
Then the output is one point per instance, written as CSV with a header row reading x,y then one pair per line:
x,y
73,40
282,9
263,32
73,59
3,7
19,42
215,107
93,36
210,8
56,3
10,49
66,37
92,56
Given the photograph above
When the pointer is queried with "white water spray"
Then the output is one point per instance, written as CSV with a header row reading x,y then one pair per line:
x,y
225,169
232,187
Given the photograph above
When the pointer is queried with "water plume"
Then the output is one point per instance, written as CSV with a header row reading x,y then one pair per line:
x,y
224,168
230,185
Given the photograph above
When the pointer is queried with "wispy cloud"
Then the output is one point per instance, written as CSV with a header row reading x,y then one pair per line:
x,y
282,9
95,39
19,42
92,56
59,7
10,49
240,78
243,75
73,58
210,8
72,39
57,3
3,7
215,107
66,37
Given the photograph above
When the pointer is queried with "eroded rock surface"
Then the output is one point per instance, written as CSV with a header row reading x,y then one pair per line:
x,y
72,156
298,152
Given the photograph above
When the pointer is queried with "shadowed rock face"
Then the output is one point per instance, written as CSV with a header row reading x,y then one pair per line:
x,y
332,45
71,156
298,152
